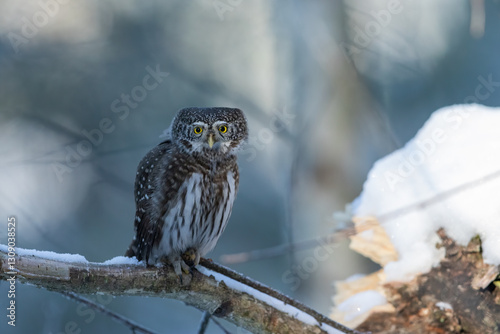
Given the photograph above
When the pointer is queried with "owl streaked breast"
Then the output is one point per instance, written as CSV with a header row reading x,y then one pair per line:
x,y
201,218
185,187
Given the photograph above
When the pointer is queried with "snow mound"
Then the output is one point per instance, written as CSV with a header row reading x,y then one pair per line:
x,y
73,258
361,303
457,147
122,260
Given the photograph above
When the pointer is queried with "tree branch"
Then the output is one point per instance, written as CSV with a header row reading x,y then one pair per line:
x,y
213,288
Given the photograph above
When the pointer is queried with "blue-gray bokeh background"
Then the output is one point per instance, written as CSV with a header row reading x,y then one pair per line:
x,y
328,88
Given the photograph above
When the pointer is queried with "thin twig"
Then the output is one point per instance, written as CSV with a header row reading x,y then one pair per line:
x,y
438,198
205,319
275,294
477,18
115,316
283,249
220,326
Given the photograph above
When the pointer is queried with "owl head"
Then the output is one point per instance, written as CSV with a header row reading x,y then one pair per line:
x,y
210,131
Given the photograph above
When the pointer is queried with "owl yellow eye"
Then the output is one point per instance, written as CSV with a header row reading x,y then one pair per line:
x,y
198,130
223,129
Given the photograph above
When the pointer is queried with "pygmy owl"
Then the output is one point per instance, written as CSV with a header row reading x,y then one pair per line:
x,y
185,187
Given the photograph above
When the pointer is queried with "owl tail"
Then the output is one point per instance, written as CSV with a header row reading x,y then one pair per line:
x,y
131,251
135,250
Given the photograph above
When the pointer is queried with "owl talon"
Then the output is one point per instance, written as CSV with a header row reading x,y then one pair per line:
x,y
181,268
197,259
176,263
185,268
191,257
185,277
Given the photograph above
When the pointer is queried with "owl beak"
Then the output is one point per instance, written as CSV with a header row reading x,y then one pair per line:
x,y
211,140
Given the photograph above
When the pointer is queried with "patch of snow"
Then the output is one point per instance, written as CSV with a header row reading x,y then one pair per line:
x,y
457,145
72,258
444,306
361,303
122,260
75,258
134,291
271,301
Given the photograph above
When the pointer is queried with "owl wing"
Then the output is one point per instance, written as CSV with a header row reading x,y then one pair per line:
x,y
147,227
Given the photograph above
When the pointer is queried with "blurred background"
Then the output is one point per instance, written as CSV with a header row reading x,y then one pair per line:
x,y
87,88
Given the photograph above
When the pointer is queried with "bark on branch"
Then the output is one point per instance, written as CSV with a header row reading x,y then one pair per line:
x,y
244,302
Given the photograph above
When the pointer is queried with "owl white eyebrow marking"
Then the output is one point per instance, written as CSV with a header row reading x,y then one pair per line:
x,y
216,124
203,124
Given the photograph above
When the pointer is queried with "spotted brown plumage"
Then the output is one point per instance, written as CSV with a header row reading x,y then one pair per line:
x,y
185,187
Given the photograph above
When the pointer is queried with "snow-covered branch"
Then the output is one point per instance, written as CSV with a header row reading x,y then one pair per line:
x,y
213,288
